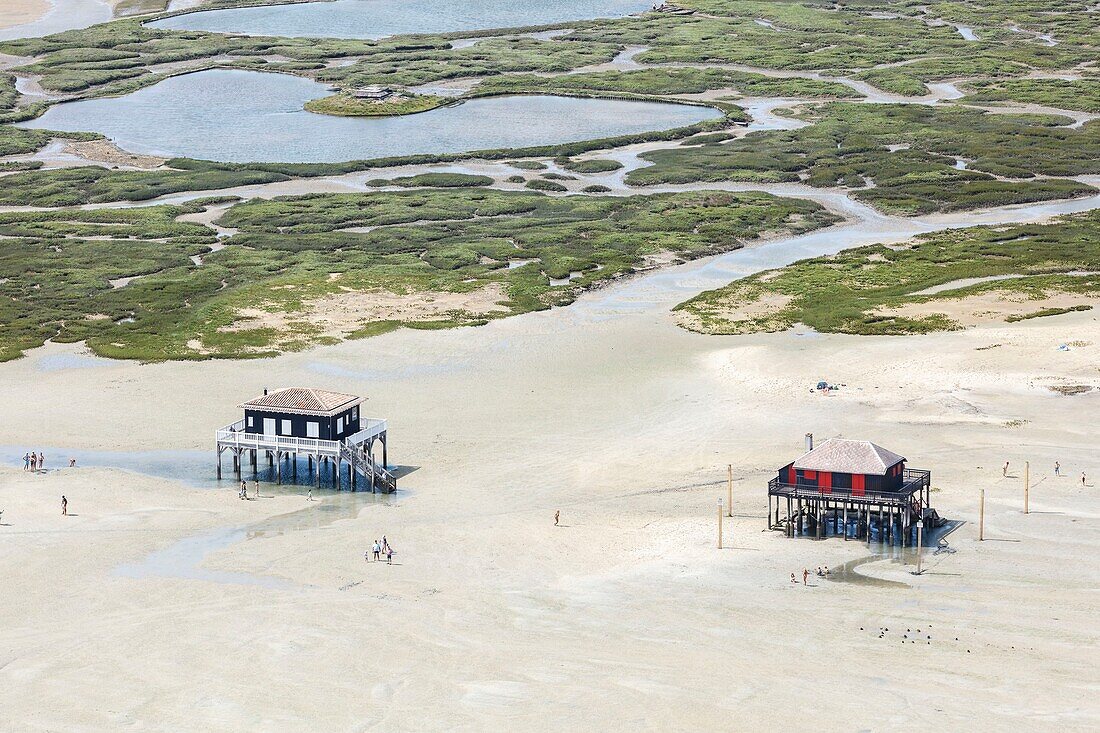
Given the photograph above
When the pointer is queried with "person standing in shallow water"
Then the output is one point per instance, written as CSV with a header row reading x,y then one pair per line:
x,y
64,506
41,461
27,461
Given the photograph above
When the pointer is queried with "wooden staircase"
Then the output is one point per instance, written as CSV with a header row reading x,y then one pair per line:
x,y
362,463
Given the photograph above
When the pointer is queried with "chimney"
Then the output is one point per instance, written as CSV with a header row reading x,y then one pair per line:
x,y
265,391
809,440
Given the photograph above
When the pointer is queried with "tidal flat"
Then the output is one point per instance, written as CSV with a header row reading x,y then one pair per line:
x,y
894,198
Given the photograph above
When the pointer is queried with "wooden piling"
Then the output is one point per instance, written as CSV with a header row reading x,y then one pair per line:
x,y
729,490
719,524
981,516
1027,484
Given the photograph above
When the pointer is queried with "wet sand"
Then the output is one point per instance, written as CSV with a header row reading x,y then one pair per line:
x,y
491,618
60,15
19,12
165,607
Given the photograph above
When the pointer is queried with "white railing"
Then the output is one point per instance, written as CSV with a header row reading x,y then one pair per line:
x,y
368,428
236,436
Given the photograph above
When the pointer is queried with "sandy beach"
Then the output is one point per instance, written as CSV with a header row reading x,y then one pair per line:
x,y
627,616
163,602
31,18
18,12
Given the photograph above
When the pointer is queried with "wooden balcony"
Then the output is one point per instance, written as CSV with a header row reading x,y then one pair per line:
x,y
914,481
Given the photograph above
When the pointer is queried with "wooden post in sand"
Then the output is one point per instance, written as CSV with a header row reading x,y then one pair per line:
x,y
729,491
920,542
981,516
1027,484
719,524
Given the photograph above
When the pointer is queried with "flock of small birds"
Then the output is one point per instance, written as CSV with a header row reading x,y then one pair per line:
x,y
911,636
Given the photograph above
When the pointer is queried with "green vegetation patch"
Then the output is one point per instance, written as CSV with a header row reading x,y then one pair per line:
x,y
1082,95
666,81
539,184
591,165
908,153
870,290
383,257
347,105
434,180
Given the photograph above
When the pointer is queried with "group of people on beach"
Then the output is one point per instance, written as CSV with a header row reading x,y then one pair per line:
x,y
34,461
242,493
378,549
821,572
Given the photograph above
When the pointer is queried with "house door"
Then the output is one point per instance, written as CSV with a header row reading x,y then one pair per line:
x,y
269,426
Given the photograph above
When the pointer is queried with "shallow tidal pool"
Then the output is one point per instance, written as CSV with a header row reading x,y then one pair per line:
x,y
382,18
250,116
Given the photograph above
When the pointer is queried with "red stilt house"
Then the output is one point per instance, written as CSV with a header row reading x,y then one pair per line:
x,y
842,479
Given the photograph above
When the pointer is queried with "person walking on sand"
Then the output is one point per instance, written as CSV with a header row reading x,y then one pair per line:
x,y
1004,471
309,495
1057,468
64,506
385,545
27,461
1082,479
557,516
794,579
377,549
389,556
805,575
256,488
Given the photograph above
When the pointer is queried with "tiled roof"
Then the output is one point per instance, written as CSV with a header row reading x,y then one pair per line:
x,y
848,456
303,400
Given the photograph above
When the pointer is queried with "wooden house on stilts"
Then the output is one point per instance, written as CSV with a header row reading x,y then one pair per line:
x,y
854,487
324,426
